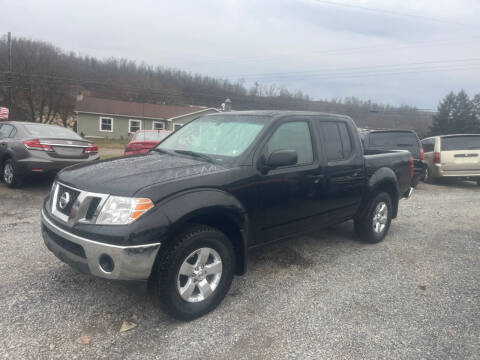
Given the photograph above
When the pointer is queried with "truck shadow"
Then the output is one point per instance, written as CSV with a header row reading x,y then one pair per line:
x,y
312,249
117,300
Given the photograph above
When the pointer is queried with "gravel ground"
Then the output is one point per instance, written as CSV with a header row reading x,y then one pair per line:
x,y
415,295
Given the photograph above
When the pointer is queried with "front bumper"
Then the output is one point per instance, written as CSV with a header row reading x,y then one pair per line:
x,y
129,262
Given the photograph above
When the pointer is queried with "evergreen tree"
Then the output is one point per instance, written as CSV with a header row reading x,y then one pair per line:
x,y
463,116
443,120
476,113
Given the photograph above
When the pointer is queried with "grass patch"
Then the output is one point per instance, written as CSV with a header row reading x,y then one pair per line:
x,y
109,156
110,143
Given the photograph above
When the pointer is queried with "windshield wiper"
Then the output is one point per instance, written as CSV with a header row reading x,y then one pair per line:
x,y
195,154
159,150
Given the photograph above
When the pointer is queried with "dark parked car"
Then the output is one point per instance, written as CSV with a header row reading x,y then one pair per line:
x,y
143,140
184,215
29,148
397,140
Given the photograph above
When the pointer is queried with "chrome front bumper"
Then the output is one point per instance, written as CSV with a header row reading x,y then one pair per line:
x,y
129,262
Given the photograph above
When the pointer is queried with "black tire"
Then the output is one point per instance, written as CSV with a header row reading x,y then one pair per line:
x,y
166,272
429,179
10,174
364,226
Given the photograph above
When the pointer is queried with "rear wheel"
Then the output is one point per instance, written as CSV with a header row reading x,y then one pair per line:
x,y
194,274
373,226
10,173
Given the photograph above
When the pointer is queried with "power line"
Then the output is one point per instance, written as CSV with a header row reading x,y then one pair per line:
x,y
343,51
395,13
352,69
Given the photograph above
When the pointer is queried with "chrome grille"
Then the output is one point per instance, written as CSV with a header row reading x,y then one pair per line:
x,y
82,206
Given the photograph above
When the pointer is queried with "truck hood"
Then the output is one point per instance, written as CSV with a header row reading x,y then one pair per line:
x,y
126,175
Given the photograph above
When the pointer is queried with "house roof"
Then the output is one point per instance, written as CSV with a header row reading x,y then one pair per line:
x,y
135,109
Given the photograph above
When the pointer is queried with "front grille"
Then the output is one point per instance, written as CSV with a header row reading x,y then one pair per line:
x,y
66,244
92,207
72,196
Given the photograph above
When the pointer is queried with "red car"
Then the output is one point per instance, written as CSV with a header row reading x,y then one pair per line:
x,y
143,140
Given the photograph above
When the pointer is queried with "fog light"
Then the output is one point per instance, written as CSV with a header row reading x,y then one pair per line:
x,y
106,263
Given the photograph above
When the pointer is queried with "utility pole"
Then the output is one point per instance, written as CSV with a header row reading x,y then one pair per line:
x,y
9,71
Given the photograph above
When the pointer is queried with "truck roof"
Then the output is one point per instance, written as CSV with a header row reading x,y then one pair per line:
x,y
279,113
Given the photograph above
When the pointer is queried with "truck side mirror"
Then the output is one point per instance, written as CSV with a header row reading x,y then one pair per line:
x,y
280,158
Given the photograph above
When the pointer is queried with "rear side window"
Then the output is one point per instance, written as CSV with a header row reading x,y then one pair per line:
x,y
335,136
452,143
428,145
7,131
293,136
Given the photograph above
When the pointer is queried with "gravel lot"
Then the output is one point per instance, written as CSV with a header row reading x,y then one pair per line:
x,y
416,295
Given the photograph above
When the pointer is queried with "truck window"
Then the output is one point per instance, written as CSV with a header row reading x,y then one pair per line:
x,y
293,136
452,143
331,139
346,141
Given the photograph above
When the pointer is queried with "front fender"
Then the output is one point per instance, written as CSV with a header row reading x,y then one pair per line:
x,y
213,207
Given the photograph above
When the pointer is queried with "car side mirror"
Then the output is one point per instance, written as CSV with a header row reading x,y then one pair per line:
x,y
280,158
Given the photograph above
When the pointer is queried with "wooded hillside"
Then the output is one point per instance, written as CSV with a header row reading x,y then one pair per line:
x,y
45,81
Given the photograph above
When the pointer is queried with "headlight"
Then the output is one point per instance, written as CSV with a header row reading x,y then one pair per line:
x,y
119,210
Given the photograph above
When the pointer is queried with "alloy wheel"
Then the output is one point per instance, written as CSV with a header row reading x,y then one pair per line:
x,y
8,173
380,217
199,275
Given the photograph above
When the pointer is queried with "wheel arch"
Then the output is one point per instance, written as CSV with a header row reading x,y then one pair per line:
x,y
384,179
213,208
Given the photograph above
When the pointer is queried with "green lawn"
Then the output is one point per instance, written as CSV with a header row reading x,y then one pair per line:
x,y
110,143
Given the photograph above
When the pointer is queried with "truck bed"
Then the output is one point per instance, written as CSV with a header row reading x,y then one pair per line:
x,y
379,161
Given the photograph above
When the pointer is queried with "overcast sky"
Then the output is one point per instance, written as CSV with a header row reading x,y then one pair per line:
x,y
362,48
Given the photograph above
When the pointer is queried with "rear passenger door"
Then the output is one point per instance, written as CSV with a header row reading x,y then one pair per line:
x,y
344,172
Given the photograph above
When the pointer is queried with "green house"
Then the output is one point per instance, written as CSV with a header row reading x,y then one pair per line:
x,y
106,118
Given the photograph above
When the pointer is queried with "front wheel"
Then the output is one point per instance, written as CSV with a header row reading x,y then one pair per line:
x,y
373,226
194,274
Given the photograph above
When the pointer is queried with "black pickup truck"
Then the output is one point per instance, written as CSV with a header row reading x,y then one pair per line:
x,y
185,215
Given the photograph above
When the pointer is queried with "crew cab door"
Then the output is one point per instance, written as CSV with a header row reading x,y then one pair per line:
x,y
344,173
288,196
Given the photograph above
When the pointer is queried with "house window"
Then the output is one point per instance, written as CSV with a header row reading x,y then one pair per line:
x,y
177,126
158,125
134,125
106,124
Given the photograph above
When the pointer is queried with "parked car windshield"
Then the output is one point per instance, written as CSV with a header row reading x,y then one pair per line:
x,y
150,135
395,140
227,135
50,131
451,143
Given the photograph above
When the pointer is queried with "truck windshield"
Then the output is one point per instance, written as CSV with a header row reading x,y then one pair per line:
x,y
228,135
